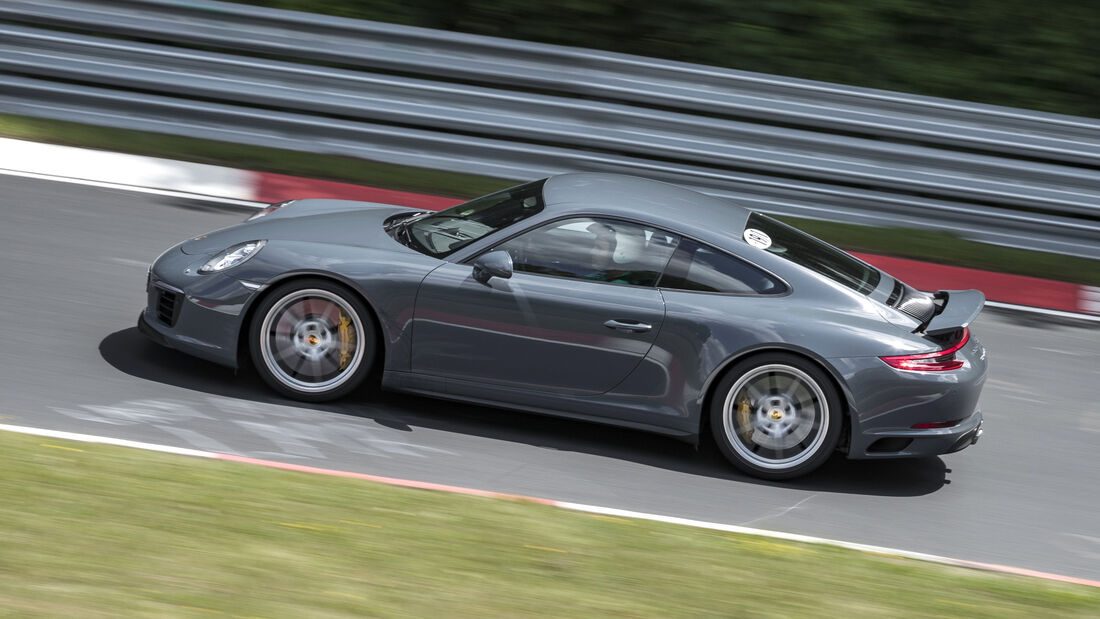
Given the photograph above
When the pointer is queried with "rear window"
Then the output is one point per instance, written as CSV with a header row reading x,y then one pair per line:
x,y
700,268
812,253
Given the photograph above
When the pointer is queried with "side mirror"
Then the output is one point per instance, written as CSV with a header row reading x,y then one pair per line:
x,y
493,264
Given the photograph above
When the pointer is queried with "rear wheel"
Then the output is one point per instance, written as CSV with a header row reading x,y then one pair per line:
x,y
776,416
312,340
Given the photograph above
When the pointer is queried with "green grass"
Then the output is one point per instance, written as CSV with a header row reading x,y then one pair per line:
x,y
929,245
99,531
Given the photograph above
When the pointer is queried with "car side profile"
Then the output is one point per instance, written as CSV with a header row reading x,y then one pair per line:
x,y
594,296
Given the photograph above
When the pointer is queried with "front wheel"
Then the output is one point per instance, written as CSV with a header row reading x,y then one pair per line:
x,y
312,340
776,416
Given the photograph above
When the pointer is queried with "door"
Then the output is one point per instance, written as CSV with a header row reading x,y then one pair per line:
x,y
577,316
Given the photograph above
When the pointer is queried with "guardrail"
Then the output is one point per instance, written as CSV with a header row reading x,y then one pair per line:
x,y
1002,175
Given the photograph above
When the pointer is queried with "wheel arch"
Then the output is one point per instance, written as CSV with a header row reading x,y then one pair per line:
x,y
724,368
249,314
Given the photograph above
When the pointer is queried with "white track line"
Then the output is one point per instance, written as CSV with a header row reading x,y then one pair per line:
x,y
579,507
88,438
810,539
736,528
1043,310
99,168
136,188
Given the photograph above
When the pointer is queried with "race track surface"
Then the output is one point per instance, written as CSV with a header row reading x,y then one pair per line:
x,y
73,261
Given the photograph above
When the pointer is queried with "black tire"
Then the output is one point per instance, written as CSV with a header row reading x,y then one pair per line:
x,y
312,340
776,416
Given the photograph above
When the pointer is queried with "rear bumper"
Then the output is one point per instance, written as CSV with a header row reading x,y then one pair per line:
x,y
921,443
889,406
969,438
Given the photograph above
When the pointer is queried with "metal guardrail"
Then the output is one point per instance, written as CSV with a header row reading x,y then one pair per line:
x,y
1048,200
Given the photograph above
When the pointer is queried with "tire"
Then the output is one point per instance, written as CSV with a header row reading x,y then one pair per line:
x,y
312,340
776,416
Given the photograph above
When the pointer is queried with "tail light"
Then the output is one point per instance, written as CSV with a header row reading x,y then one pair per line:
x,y
938,361
929,425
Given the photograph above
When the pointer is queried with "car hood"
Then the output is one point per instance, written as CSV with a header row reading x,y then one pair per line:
x,y
359,224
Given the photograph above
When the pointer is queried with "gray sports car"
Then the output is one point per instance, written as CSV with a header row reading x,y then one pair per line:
x,y
594,296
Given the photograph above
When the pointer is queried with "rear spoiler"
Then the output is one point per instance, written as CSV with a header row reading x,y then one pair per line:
x,y
954,309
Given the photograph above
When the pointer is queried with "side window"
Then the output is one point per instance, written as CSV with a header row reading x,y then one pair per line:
x,y
704,269
597,249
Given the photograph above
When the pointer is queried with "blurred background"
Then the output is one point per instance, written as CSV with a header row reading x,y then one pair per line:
x,y
954,144
954,133
1010,52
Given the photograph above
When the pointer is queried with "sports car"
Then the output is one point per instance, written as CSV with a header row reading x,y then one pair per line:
x,y
594,296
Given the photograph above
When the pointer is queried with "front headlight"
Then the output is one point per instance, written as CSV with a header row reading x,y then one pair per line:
x,y
232,257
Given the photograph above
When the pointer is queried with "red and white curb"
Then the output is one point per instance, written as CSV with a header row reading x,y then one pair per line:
x,y
247,188
129,172
185,179
579,507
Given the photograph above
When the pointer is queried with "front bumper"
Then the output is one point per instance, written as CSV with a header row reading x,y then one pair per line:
x,y
217,343
200,315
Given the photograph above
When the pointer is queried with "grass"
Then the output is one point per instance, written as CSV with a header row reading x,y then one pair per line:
x,y
99,531
928,245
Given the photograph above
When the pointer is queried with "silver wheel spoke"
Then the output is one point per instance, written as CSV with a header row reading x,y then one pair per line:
x,y
286,350
285,324
754,393
792,386
331,313
298,365
328,363
309,307
295,313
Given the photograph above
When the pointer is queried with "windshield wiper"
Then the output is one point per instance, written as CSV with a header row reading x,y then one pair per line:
x,y
404,221
402,233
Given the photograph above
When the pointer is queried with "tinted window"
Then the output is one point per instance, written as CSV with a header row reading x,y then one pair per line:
x,y
814,254
603,250
445,232
701,268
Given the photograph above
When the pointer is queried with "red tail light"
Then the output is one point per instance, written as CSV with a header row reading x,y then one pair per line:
x,y
936,424
939,361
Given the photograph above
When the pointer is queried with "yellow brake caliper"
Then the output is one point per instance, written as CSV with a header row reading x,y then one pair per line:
x,y
744,414
347,340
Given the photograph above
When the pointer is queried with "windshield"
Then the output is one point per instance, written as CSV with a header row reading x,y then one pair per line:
x,y
445,232
812,253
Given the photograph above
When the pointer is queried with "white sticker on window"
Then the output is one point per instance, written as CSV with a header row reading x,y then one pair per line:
x,y
757,238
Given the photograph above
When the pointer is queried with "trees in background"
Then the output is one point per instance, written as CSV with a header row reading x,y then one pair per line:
x,y
1039,55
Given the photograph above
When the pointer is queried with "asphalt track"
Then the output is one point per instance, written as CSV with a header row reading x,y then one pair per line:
x,y
72,273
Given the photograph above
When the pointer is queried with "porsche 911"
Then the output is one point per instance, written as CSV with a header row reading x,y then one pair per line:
x,y
599,297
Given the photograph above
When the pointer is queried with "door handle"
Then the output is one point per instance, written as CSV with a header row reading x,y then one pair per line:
x,y
632,326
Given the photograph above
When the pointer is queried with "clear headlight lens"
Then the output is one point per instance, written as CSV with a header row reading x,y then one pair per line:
x,y
269,210
232,257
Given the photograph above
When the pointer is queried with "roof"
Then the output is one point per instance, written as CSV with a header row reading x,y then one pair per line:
x,y
662,204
